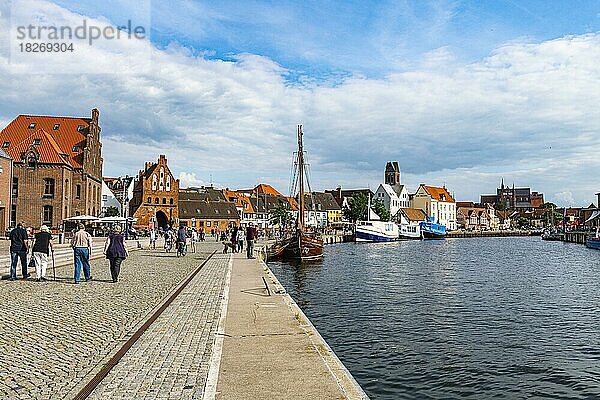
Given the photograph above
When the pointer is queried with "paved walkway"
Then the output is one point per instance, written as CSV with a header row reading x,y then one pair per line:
x,y
53,334
225,336
171,359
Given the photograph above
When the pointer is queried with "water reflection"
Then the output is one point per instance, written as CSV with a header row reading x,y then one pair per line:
x,y
464,318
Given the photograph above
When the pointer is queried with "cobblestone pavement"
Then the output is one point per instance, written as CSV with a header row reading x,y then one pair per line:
x,y
171,359
53,334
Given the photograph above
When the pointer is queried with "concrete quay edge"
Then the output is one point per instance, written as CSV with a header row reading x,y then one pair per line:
x,y
344,379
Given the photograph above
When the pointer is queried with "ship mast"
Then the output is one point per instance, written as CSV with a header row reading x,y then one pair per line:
x,y
301,179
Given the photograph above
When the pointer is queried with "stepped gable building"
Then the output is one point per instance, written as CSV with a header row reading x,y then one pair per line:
x,y
155,196
57,167
6,176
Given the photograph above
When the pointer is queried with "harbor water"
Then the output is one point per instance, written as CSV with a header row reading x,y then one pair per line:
x,y
476,318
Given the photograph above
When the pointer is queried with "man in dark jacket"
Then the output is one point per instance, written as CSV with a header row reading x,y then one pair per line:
x,y
251,234
18,250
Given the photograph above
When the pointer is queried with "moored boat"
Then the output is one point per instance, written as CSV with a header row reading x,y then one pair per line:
x,y
409,231
593,242
376,231
432,230
553,236
303,244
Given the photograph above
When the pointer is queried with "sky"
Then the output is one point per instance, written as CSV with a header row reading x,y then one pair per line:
x,y
460,93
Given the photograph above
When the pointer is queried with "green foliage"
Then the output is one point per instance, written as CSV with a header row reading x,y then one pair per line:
x,y
357,209
281,216
500,207
522,222
548,205
380,210
112,212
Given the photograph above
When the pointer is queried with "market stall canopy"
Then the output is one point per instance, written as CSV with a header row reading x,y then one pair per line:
x,y
87,218
117,219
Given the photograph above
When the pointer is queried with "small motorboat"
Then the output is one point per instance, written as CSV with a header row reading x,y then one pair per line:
x,y
593,241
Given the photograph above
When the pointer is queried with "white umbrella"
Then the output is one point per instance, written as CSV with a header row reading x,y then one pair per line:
x,y
82,218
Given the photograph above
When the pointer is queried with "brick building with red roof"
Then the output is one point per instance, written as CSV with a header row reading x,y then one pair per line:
x,y
155,201
6,176
57,167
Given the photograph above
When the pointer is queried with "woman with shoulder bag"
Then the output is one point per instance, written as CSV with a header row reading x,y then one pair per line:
x,y
115,251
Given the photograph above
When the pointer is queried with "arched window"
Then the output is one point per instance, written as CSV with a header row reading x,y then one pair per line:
x,y
171,201
156,200
164,200
78,191
154,182
149,200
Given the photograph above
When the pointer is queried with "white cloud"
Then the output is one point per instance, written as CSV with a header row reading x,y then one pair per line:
x,y
528,113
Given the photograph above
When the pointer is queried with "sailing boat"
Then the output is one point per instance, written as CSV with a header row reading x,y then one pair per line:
x,y
303,244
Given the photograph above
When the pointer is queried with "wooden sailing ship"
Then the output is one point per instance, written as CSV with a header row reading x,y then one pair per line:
x,y
303,244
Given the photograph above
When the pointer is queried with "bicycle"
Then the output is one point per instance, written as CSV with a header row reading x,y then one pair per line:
x,y
181,249
168,245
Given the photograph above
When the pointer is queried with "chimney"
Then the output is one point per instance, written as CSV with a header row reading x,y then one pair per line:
x,y
162,159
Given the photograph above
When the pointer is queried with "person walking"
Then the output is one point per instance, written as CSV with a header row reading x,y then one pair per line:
x,y
193,240
115,250
82,250
41,249
234,238
241,236
18,250
251,236
153,239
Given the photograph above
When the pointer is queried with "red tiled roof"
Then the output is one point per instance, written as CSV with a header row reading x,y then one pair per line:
x,y
439,194
53,144
264,188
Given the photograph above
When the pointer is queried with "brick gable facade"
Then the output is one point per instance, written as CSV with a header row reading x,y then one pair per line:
x,y
57,167
155,199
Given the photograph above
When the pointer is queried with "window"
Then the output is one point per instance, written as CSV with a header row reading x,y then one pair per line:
x,y
47,215
15,188
149,200
32,125
168,183
75,149
13,214
5,145
48,187
80,128
78,191
56,126
164,200
156,200
154,180
208,223
171,201
77,213
31,161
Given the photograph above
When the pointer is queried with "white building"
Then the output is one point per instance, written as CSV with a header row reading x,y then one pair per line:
x,y
109,200
437,203
392,193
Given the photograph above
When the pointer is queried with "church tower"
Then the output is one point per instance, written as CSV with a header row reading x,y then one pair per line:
x,y
392,173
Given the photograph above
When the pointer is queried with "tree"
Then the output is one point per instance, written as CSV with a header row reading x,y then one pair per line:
x,y
112,212
551,215
357,209
380,210
281,216
500,207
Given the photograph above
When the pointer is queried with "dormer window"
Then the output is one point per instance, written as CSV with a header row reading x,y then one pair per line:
x,y
80,128
37,142
5,145
75,149
56,126
32,125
